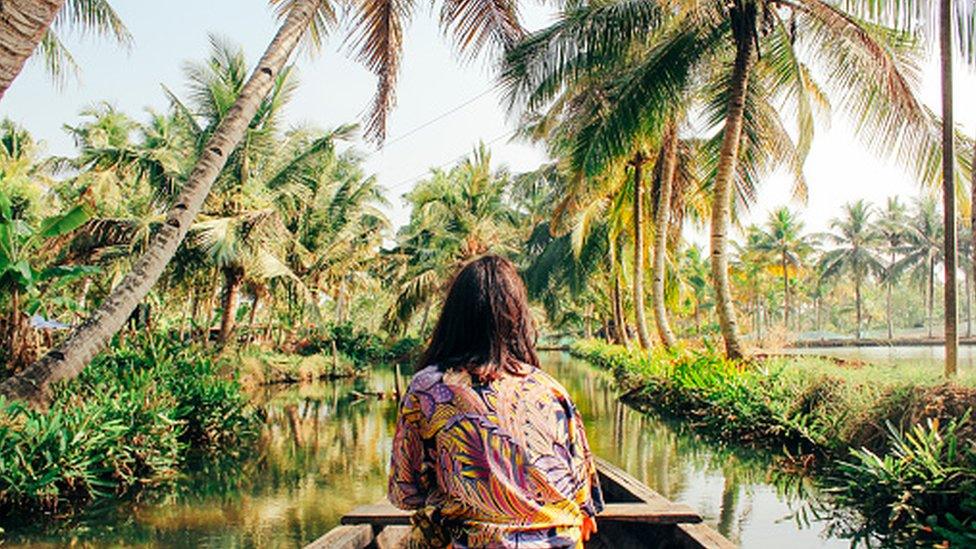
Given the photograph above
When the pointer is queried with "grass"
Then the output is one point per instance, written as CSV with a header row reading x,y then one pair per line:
x,y
898,447
130,421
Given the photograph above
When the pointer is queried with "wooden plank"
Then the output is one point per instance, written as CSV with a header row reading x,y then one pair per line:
x,y
393,537
619,486
344,537
700,535
378,514
656,512
648,513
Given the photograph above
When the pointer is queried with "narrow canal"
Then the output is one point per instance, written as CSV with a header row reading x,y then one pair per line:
x,y
325,449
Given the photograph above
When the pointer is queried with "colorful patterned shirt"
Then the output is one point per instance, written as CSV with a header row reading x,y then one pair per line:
x,y
500,464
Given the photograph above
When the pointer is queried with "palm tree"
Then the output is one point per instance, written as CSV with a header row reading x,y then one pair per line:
x,y
26,30
940,18
752,267
784,238
71,356
891,226
377,35
922,251
736,49
455,216
693,272
638,225
662,226
855,244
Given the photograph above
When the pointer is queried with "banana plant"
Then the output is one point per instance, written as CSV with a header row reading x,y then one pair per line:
x,y
28,271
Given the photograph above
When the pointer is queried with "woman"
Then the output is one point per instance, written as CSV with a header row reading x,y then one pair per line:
x,y
489,449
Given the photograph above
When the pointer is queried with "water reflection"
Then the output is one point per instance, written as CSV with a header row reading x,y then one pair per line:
x,y
325,449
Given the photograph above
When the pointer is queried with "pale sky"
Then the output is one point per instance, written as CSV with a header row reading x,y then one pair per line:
x,y
334,90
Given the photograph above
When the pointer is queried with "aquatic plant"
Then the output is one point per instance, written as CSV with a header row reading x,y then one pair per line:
x,y
923,489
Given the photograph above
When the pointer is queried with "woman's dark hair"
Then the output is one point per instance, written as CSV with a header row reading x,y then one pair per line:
x,y
485,326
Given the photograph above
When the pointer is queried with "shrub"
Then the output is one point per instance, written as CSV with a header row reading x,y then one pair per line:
x,y
916,486
127,422
922,490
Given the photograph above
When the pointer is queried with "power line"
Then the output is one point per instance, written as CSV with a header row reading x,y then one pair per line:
x,y
437,118
448,163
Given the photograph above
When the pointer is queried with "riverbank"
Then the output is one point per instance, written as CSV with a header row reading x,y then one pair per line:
x,y
904,441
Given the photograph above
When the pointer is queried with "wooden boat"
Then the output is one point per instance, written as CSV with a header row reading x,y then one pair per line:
x,y
634,516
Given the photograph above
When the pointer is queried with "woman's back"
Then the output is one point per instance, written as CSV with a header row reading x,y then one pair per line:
x,y
498,464
488,448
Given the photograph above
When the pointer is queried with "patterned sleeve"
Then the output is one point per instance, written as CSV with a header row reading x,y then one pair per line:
x,y
592,497
405,486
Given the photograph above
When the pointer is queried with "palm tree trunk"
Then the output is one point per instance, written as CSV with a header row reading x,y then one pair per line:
x,y
972,225
948,192
931,303
662,218
639,315
888,310
588,321
71,356
251,317
857,304
744,20
969,305
23,24
623,338
233,278
786,294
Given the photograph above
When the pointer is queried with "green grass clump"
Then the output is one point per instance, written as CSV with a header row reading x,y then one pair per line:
x,y
129,421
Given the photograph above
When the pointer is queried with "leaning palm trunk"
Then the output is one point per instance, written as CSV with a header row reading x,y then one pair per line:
x,y
69,358
661,222
722,200
639,316
23,24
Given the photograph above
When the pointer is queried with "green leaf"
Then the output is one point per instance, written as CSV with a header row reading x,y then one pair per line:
x,y
59,225
68,271
6,208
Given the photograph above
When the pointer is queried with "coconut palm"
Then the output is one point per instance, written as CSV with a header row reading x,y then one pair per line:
x,y
377,36
891,224
940,18
854,252
29,28
693,273
456,215
71,356
864,64
784,239
921,252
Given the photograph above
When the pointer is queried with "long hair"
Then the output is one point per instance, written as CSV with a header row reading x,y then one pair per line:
x,y
485,325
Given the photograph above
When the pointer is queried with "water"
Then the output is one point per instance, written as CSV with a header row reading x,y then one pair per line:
x,y
917,356
324,450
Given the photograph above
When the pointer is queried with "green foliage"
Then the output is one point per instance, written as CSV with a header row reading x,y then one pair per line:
x,y
361,346
922,490
914,482
128,422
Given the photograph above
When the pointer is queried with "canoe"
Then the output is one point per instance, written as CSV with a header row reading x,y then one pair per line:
x,y
634,516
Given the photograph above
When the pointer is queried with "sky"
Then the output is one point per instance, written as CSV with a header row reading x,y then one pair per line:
x,y
445,106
